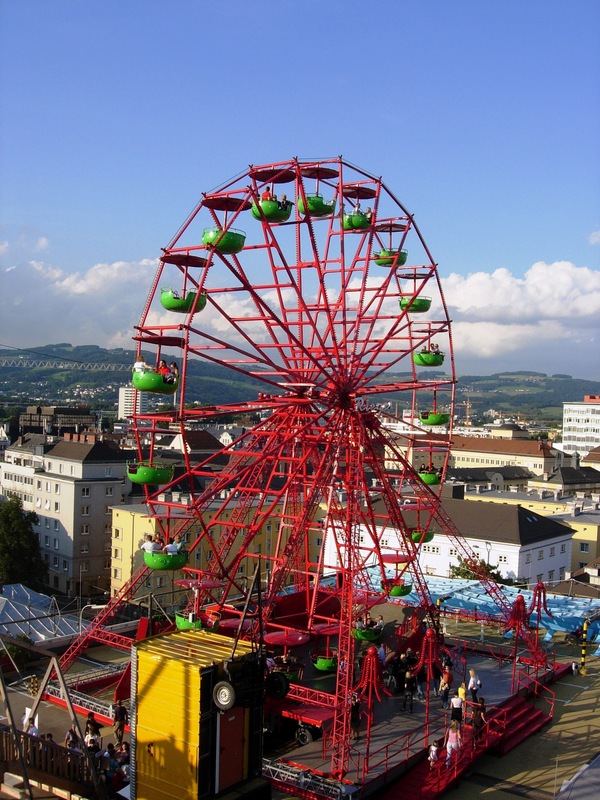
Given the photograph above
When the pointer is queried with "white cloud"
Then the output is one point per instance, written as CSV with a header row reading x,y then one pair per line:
x,y
3,248
594,237
42,244
498,318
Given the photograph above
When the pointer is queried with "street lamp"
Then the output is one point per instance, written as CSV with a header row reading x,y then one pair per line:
x,y
488,547
89,605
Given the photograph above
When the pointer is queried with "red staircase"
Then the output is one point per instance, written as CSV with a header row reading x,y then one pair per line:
x,y
508,725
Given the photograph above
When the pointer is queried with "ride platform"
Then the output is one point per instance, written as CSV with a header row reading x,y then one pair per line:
x,y
394,759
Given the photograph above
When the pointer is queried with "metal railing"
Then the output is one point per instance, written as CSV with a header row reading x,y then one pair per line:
x,y
47,757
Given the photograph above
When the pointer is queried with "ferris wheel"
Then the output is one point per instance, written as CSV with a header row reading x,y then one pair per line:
x,y
314,279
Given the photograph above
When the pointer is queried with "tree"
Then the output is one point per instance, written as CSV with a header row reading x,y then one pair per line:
x,y
477,570
20,557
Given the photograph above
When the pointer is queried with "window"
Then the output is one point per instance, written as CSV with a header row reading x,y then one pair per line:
x,y
528,558
84,566
540,577
48,486
117,574
65,565
551,575
85,529
503,559
540,555
584,547
57,508
107,566
56,544
117,553
117,533
109,491
46,541
107,510
39,486
552,550
84,549
452,552
85,511
85,491
47,522
108,472
160,582
55,562
56,525
57,488
563,548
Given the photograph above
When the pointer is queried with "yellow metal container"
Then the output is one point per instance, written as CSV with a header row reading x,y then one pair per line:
x,y
192,739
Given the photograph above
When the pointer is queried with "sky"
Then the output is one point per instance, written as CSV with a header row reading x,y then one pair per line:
x,y
483,118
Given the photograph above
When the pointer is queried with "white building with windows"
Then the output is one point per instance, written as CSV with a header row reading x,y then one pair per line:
x,y
581,425
131,402
516,541
72,485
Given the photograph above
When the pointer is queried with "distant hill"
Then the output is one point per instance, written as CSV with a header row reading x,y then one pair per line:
x,y
530,394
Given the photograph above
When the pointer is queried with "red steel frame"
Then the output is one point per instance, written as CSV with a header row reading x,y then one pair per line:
x,y
304,309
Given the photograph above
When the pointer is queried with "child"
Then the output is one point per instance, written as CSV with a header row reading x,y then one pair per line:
x,y
433,754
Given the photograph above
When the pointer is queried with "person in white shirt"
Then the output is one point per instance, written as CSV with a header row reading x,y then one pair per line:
x,y
149,545
140,365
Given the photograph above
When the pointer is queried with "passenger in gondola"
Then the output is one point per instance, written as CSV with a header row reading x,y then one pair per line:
x,y
369,214
170,548
141,366
174,371
360,625
379,624
267,194
284,202
163,370
149,545
434,348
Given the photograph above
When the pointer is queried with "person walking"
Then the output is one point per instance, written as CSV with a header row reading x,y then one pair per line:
x,y
120,719
478,721
355,717
453,741
474,684
410,687
456,708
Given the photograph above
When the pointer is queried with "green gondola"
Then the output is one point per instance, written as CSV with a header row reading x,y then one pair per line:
x,y
316,206
325,662
415,305
153,382
161,560
366,634
272,210
143,472
434,418
419,537
355,222
227,242
385,258
182,621
172,302
401,590
428,359
430,478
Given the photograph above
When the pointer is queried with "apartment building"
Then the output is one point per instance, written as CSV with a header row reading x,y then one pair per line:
x,y
131,402
580,513
130,524
539,457
71,483
581,425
